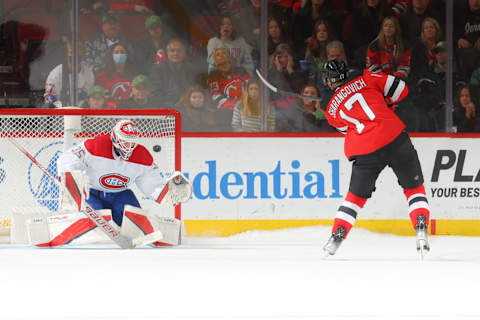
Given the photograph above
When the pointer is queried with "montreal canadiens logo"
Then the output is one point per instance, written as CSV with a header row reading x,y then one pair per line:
x,y
128,129
114,181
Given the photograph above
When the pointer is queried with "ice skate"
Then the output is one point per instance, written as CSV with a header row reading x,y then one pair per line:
x,y
334,242
421,233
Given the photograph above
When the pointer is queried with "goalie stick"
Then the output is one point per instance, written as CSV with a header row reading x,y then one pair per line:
x,y
290,93
122,241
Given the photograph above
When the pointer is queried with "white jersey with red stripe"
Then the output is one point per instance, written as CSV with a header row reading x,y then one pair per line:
x,y
107,171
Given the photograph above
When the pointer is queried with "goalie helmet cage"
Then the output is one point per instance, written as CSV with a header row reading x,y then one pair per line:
x,y
45,133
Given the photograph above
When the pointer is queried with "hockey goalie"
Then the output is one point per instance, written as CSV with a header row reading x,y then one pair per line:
x,y
97,176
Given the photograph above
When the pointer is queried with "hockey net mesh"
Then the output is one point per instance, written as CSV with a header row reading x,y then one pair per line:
x,y
24,186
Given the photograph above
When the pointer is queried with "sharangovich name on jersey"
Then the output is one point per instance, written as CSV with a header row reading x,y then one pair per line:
x,y
282,181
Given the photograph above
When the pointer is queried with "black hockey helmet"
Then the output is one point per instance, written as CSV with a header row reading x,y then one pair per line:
x,y
335,71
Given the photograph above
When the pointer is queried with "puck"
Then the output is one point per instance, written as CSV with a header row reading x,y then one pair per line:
x,y
157,148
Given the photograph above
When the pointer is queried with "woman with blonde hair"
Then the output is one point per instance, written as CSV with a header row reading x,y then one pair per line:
x,y
247,114
423,53
387,52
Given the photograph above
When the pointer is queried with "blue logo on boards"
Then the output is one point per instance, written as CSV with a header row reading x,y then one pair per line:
x,y
46,191
2,171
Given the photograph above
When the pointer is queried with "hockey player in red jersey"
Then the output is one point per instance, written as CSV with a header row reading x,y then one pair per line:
x,y
360,107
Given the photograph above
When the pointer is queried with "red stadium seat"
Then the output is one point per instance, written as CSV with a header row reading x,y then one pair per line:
x,y
133,26
88,26
203,28
9,6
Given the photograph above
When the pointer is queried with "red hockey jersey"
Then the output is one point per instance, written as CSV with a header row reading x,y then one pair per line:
x,y
359,108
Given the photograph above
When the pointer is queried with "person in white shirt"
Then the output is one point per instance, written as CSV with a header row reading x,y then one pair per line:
x,y
54,82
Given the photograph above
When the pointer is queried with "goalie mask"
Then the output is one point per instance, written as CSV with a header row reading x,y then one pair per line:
x,y
124,138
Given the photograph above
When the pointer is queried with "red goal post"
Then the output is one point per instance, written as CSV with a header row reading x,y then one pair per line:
x,y
45,133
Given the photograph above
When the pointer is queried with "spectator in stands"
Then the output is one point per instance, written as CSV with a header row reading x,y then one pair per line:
x,y
247,114
428,92
316,54
411,21
467,35
276,35
151,51
140,98
239,50
97,47
305,115
118,73
467,110
96,99
173,77
387,52
284,11
285,74
363,26
198,112
248,18
422,49
475,78
54,83
225,85
304,22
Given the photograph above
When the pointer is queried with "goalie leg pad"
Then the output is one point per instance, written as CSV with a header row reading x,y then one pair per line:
x,y
136,224
172,230
71,226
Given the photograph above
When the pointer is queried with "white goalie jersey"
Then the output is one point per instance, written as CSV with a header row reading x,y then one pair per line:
x,y
107,171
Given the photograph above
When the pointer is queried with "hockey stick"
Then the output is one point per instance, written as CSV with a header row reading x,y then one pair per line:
x,y
29,156
71,185
290,93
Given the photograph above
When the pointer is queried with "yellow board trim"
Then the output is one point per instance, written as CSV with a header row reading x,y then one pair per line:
x,y
225,228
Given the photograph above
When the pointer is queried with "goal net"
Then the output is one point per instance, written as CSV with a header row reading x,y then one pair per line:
x,y
46,133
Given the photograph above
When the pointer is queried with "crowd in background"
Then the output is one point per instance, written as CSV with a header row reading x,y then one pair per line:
x,y
199,57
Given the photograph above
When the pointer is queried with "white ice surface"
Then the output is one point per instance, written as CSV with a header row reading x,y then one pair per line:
x,y
255,275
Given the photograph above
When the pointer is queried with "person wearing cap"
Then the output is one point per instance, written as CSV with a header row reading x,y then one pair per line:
x,y
171,79
54,82
151,50
96,99
140,94
97,47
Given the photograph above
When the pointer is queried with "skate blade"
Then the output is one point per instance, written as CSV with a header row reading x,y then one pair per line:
x,y
422,248
325,254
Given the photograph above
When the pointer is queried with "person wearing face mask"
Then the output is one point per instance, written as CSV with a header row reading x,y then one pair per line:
x,y
97,47
118,73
